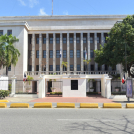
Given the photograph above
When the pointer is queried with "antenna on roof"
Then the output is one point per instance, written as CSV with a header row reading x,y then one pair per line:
x,y
52,7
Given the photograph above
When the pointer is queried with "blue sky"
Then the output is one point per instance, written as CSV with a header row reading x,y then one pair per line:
x,y
66,7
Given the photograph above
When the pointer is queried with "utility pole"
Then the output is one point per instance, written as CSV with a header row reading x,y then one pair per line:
x,y
52,7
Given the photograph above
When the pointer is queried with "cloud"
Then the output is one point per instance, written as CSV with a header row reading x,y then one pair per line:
x,y
42,12
65,12
32,3
22,2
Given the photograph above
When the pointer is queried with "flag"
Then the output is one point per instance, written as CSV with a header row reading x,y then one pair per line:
x,y
123,79
60,53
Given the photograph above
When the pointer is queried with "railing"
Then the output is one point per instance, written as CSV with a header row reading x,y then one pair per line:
x,y
69,72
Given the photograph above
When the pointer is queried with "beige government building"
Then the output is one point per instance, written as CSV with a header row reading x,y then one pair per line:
x,y
46,41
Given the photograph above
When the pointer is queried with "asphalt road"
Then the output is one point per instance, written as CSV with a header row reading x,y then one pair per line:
x,y
66,121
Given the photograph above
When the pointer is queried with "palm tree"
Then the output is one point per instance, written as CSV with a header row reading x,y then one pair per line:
x,y
64,64
10,53
87,62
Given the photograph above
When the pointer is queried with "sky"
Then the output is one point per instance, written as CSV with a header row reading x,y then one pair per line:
x,y
66,7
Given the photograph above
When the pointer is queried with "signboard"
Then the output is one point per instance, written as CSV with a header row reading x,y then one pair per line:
x,y
129,91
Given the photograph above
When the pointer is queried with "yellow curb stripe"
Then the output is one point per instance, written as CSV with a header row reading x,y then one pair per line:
x,y
4,101
65,105
88,105
43,105
128,105
19,105
112,105
3,105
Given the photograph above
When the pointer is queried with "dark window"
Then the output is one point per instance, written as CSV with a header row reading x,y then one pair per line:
x,y
64,54
51,54
9,32
37,54
57,53
37,67
84,39
58,40
44,40
64,40
78,67
1,32
29,67
99,68
98,39
91,40
30,54
57,67
37,40
74,84
44,53
114,68
104,39
106,67
51,40
78,53
71,53
91,53
92,67
50,67
9,68
71,39
78,40
64,68
71,67
30,40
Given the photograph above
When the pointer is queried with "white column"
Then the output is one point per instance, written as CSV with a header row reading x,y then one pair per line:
x,y
95,46
13,86
54,53
33,52
68,54
75,59
88,47
61,50
102,43
47,53
41,86
40,52
108,87
82,52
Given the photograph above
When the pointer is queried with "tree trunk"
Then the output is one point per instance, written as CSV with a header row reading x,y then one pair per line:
x,y
6,70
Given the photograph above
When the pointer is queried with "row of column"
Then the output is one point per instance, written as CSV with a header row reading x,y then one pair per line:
x,y
61,50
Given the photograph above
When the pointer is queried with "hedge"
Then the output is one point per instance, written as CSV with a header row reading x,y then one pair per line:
x,y
4,93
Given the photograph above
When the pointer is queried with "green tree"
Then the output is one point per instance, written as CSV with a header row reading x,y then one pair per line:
x,y
113,52
64,64
87,63
9,53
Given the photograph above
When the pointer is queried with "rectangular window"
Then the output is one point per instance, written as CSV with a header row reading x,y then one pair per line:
x,y
71,54
30,40
64,68
37,54
78,40
78,53
98,39
78,67
57,67
51,54
71,67
84,39
9,68
37,67
9,32
74,84
30,53
64,54
99,68
104,39
92,67
64,40
29,67
50,67
91,40
57,40
106,68
71,39
1,32
44,40
44,53
37,40
91,53
57,53
51,40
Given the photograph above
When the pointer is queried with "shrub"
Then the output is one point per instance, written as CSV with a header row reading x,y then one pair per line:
x,y
9,87
4,93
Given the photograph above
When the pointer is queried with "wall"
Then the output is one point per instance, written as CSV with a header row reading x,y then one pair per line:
x,y
67,92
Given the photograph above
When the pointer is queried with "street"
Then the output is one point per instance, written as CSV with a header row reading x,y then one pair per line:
x,y
64,121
